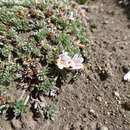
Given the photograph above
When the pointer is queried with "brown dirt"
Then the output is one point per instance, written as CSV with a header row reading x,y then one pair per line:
x,y
97,99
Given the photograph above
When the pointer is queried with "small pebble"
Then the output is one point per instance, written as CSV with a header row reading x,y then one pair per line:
x,y
108,113
41,97
116,94
91,126
105,22
103,128
127,105
16,124
119,102
92,112
99,98
111,12
127,77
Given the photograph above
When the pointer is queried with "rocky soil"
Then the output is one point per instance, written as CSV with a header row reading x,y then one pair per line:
x,y
99,100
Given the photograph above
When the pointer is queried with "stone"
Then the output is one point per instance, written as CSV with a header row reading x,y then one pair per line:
x,y
92,126
127,77
16,124
116,94
99,98
127,105
103,128
92,112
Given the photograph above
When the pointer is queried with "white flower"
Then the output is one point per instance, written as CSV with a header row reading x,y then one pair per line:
x,y
77,62
127,77
64,60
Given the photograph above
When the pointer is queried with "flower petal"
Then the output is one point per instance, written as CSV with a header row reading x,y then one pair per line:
x,y
78,59
77,67
60,66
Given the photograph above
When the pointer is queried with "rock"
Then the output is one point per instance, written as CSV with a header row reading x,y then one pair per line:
x,y
92,112
41,98
111,12
119,102
105,22
85,128
99,98
127,105
116,94
28,122
18,75
127,77
66,127
103,128
76,125
16,124
91,126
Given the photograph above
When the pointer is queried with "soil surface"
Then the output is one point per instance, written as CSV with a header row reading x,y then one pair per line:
x,y
96,101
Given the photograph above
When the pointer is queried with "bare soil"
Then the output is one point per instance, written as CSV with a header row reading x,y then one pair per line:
x,y
96,101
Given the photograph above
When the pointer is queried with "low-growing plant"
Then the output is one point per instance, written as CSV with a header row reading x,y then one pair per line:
x,y
36,14
6,50
2,89
10,17
76,28
93,23
20,24
41,35
46,85
82,1
27,47
11,33
43,46
41,75
39,24
7,74
50,111
2,29
19,108
59,21
62,38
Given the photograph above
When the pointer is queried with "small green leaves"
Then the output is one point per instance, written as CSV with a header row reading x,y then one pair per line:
x,y
93,23
19,108
10,17
2,29
46,85
6,50
2,89
26,47
41,76
36,13
59,21
8,74
47,47
20,24
63,39
81,1
11,33
76,28
39,24
51,111
41,35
